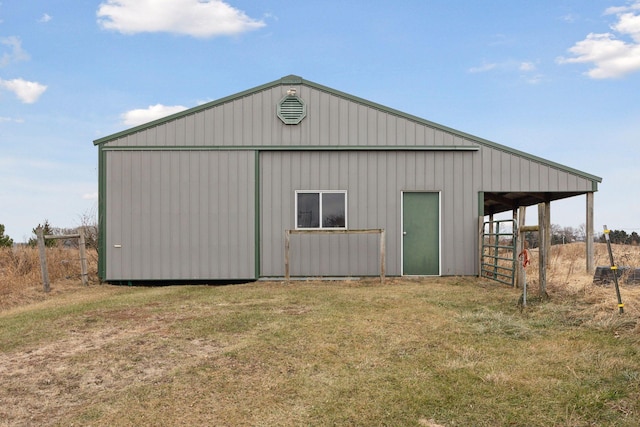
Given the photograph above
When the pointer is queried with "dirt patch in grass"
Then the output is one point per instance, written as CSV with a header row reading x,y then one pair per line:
x,y
99,353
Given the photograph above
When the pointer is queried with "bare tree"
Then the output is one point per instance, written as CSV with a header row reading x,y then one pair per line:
x,y
581,233
89,226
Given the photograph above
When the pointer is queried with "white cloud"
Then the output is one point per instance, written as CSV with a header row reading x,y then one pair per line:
x,y
153,112
45,18
615,10
90,196
27,92
15,53
10,120
501,40
197,18
508,66
611,56
483,68
526,70
628,23
527,66
535,79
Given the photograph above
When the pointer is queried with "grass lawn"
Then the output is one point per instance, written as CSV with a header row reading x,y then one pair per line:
x,y
428,352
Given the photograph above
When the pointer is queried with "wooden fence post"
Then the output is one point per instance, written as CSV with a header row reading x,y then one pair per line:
x,y
516,243
383,250
589,234
542,248
43,259
522,212
287,239
83,259
480,244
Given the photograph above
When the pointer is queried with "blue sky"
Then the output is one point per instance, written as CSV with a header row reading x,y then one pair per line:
x,y
559,79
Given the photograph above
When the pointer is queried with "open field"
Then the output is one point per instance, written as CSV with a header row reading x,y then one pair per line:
x,y
423,352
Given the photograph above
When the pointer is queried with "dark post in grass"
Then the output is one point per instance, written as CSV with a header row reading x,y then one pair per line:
x,y
542,250
43,259
614,270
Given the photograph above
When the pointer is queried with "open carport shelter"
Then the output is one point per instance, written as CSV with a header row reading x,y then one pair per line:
x,y
207,194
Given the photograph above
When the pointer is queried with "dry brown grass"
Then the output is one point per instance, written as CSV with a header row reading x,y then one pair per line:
x,y
21,280
568,281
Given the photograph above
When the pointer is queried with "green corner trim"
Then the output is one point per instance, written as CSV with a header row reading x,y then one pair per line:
x,y
102,214
257,214
296,148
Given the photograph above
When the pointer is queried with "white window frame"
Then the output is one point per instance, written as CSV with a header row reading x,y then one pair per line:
x,y
320,193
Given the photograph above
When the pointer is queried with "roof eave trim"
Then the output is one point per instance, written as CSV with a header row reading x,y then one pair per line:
x,y
194,110
452,131
297,80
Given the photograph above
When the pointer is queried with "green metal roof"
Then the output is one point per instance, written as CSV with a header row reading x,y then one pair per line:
x,y
297,80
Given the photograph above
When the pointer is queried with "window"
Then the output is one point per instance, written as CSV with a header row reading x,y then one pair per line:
x,y
321,209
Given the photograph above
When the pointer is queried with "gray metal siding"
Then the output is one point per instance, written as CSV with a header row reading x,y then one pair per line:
x,y
374,182
504,171
180,215
252,121
190,214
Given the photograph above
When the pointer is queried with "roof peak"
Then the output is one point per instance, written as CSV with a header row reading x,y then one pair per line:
x,y
291,79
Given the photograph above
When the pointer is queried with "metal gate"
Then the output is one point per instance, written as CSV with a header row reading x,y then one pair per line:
x,y
498,255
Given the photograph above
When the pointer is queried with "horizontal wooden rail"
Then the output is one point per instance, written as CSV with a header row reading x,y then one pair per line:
x,y
65,236
337,231
380,231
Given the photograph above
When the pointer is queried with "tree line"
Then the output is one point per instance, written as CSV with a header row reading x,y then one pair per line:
x,y
621,237
561,235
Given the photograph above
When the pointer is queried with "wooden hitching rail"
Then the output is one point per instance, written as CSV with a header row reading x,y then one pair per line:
x,y
380,231
43,256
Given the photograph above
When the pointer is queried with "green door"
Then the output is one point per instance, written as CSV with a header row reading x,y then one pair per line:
x,y
420,234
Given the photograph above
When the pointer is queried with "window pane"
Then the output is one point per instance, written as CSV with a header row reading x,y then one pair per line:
x,y
308,210
333,210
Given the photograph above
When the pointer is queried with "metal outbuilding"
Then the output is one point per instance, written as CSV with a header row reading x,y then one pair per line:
x,y
207,194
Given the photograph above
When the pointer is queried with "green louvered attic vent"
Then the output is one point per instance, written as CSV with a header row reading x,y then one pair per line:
x,y
291,110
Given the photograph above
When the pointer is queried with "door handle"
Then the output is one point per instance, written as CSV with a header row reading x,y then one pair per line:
x,y
404,233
